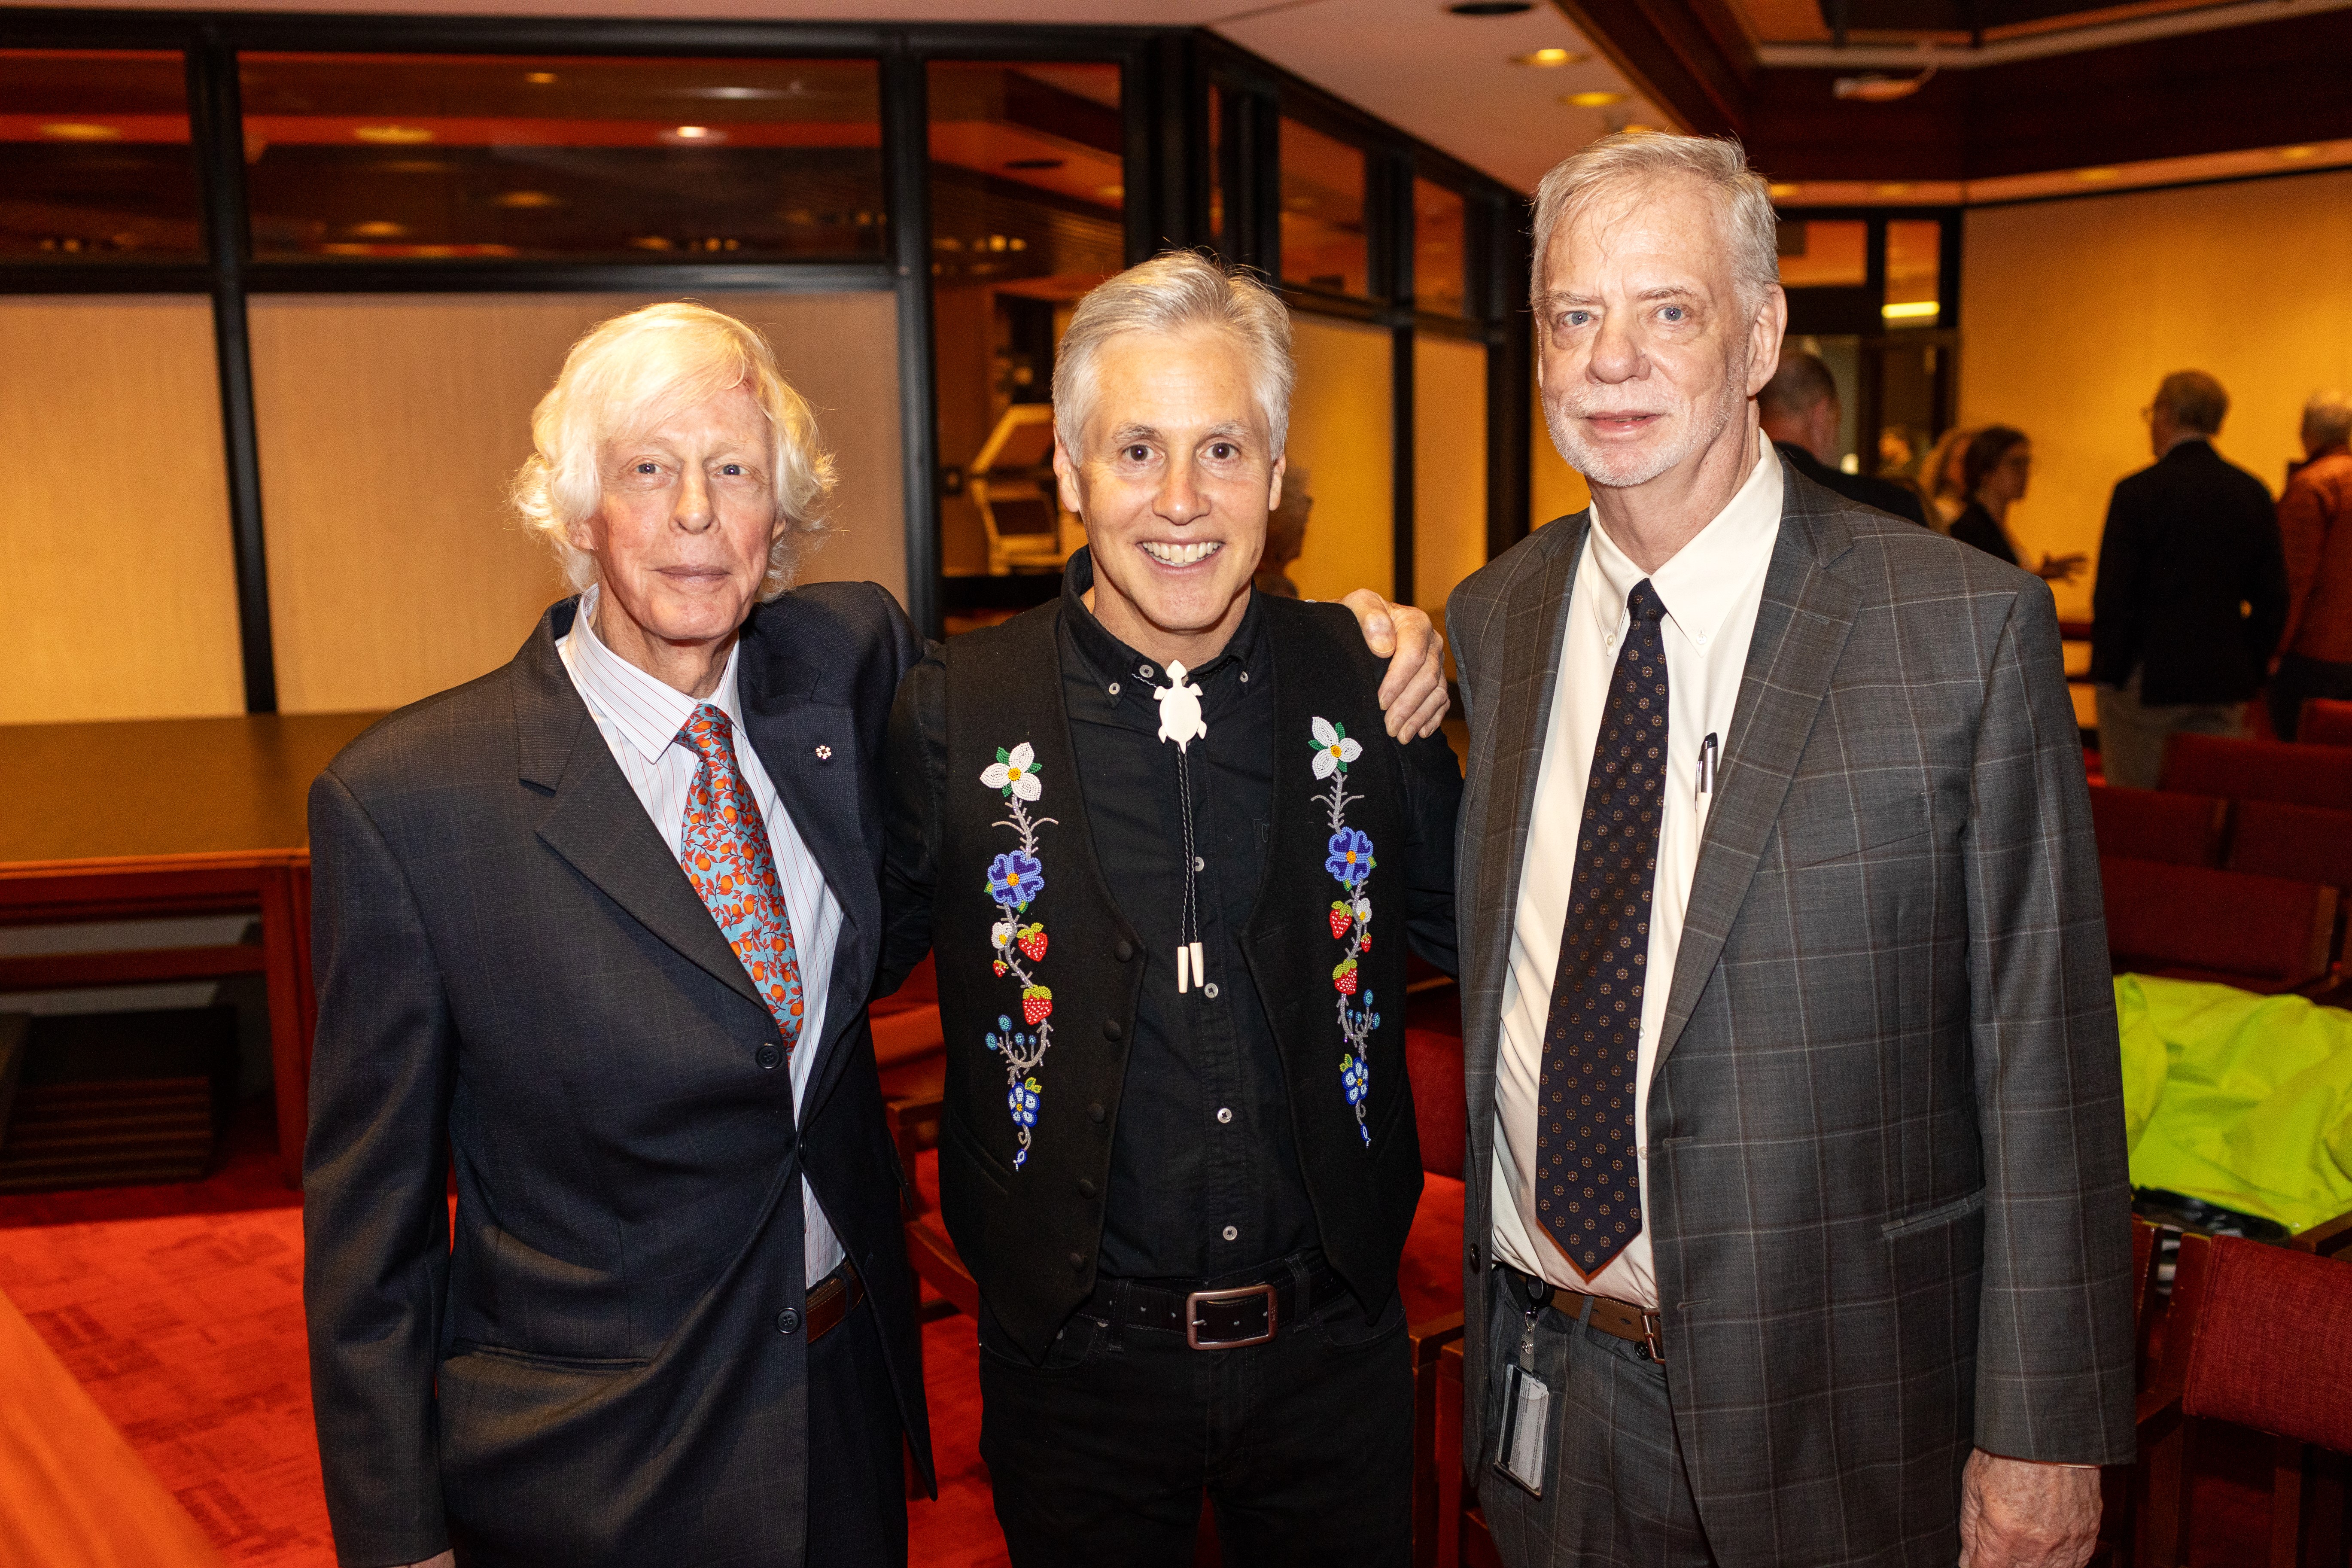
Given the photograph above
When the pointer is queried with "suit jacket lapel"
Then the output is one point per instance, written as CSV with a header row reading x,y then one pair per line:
x,y
596,822
788,722
1800,628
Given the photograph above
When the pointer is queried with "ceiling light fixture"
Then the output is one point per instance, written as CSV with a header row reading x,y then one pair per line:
x,y
1548,58
1895,188
693,133
526,199
392,135
379,228
75,130
1912,310
539,79
2297,155
2095,176
1595,100
1490,8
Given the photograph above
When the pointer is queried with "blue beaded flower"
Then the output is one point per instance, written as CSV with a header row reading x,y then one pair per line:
x,y
1023,1102
1350,858
1356,1074
1015,877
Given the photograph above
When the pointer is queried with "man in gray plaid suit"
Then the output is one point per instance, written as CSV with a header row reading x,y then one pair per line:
x,y
1797,1227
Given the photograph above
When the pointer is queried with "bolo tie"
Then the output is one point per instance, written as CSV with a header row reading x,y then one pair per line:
x,y
1180,722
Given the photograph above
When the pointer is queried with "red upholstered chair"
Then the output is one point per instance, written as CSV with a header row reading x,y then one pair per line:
x,y
2158,825
2305,842
2261,769
2264,935
2262,1337
2325,724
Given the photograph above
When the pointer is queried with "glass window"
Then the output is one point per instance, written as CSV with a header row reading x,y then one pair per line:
x,y
94,157
1449,466
435,155
1915,253
1027,202
1340,461
1439,259
1824,253
1323,243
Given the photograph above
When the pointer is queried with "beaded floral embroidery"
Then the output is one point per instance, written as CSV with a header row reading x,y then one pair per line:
x,y
1015,879
1349,861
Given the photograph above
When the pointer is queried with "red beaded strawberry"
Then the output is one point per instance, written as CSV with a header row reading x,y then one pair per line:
x,y
1033,942
1036,1004
1342,917
1344,977
1000,969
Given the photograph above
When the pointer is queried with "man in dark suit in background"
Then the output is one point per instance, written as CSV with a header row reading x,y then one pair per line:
x,y
1800,410
2191,594
1798,1224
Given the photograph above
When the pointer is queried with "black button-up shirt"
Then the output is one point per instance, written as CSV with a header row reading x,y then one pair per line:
x,y
1204,1177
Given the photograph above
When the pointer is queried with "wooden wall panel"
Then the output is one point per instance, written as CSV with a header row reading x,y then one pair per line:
x,y
2072,311
118,587
1449,467
391,426
1554,489
1341,433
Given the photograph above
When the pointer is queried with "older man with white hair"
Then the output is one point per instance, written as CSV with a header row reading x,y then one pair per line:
x,y
598,931
1797,1225
1154,826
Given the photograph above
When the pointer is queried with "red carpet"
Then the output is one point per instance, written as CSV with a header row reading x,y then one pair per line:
x,y
180,1309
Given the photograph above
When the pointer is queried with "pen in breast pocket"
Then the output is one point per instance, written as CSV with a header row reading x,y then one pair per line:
x,y
1708,752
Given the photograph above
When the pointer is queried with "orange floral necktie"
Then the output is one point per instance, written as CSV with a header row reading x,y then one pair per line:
x,y
723,845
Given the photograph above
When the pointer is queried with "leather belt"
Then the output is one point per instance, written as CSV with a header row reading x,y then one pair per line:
x,y
1221,1318
831,1302
1613,1318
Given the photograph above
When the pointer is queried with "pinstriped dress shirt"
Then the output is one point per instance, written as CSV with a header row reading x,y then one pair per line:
x,y
1711,590
640,717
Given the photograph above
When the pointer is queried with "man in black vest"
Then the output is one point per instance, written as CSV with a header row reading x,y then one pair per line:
x,y
1151,826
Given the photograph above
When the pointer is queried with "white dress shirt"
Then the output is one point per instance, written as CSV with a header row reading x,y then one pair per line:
x,y
1711,590
640,717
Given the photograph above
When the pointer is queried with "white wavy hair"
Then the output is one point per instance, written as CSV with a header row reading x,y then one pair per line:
x,y
1629,160
633,372
1177,292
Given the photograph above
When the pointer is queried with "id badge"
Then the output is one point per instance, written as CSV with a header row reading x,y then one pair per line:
x,y
1526,1402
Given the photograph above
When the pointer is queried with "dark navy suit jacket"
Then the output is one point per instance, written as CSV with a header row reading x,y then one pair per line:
x,y
515,977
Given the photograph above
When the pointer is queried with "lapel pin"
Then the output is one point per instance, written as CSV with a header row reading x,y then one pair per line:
x,y
825,754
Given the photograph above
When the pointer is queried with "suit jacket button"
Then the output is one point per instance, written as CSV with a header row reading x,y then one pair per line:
x,y
768,1056
1077,1260
1111,1029
787,1322
1095,1112
1086,1187
1124,951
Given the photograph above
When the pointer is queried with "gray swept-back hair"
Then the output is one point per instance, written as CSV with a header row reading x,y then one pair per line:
x,y
1631,160
2327,417
1179,292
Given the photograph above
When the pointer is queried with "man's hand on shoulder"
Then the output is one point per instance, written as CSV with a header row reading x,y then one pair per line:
x,y
2015,1513
1413,696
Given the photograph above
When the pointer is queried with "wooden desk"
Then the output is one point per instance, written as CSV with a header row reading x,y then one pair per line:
x,y
144,818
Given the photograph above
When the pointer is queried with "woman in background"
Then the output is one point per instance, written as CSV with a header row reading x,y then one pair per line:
x,y
1940,479
1995,467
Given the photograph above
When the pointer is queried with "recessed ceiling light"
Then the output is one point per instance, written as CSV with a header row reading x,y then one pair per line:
x,y
1035,163
539,79
1911,310
393,135
1490,8
651,242
1895,188
1596,99
1548,57
75,130
1782,192
526,199
2096,175
379,228
693,133
2297,155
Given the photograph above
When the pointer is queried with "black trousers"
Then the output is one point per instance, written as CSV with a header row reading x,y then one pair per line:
x,y
857,1472
1303,1445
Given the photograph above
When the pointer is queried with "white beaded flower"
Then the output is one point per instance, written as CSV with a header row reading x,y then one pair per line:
x,y
1018,773
1334,748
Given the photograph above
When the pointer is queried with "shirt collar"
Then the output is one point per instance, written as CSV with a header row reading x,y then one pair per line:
x,y
649,712
1113,662
1706,577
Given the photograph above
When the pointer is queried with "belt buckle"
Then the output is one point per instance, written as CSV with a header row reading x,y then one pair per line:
x,y
1650,1338
1199,1298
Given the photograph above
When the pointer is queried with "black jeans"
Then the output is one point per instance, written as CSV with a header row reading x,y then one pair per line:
x,y
2299,677
1304,1444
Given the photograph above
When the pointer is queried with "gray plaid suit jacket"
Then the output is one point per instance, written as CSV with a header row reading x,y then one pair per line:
x,y
1886,1196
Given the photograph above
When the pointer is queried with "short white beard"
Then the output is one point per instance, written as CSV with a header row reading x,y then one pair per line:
x,y
1625,470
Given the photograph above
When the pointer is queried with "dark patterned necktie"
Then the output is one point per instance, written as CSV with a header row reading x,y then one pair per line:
x,y
1588,1186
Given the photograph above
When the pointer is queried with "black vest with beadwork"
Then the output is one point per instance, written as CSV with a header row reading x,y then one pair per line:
x,y
1039,974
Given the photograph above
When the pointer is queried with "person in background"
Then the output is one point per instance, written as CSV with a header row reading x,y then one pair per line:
x,y
1285,536
1942,478
2192,588
2314,518
1995,468
1800,410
